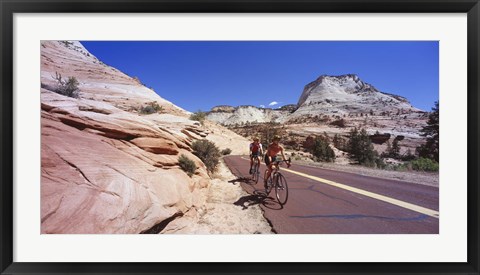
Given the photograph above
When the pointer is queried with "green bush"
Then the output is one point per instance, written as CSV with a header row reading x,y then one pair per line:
x,y
408,156
379,163
198,116
402,167
208,153
361,149
424,164
187,165
150,108
67,87
321,150
226,151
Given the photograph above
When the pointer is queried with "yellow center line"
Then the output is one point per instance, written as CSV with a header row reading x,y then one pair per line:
x,y
413,207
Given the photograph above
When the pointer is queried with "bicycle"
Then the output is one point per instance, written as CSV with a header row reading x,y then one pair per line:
x,y
255,170
278,181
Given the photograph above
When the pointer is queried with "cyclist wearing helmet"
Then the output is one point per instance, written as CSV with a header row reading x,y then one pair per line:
x,y
270,156
255,151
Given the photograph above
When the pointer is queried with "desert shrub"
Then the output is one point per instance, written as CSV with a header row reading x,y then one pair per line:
x,y
67,87
150,108
291,144
380,163
321,150
401,167
424,164
187,165
393,150
408,156
208,152
339,143
136,79
266,131
226,151
309,143
66,43
198,116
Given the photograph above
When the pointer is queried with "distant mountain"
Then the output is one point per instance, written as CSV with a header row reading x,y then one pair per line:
x,y
228,115
345,95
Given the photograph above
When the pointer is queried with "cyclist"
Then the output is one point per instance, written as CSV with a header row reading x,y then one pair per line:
x,y
270,156
255,151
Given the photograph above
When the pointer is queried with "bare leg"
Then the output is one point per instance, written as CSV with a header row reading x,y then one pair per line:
x,y
268,173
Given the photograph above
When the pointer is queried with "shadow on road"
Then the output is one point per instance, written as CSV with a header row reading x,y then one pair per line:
x,y
258,198
247,201
246,180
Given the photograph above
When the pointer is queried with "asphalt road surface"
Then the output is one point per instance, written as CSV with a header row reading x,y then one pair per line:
x,y
333,202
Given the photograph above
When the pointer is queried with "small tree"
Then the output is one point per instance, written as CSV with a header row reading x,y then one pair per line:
x,y
395,149
431,147
267,131
340,143
361,148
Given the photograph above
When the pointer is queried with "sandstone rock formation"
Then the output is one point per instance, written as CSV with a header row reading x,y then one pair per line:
x,y
380,138
327,95
334,105
246,114
347,94
106,167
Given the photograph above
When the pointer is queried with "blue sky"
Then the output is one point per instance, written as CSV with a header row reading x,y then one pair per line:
x,y
198,75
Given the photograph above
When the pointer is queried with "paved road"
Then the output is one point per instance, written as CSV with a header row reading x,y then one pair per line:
x,y
332,202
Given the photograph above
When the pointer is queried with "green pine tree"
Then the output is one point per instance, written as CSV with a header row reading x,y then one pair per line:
x,y
431,147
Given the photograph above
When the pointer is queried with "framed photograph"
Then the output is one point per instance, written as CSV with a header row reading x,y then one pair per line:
x,y
249,137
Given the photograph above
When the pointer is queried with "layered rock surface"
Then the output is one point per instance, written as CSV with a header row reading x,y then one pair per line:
x,y
335,105
227,115
347,94
327,95
106,168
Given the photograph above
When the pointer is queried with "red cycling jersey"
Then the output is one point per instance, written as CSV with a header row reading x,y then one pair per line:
x,y
255,147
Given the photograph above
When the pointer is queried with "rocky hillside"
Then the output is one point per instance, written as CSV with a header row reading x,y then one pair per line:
x,y
332,105
346,95
228,115
108,165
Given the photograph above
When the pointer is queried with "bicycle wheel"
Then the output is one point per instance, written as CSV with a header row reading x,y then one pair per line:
x,y
269,182
281,189
254,172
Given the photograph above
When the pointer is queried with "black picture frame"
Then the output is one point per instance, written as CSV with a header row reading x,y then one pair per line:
x,y
9,7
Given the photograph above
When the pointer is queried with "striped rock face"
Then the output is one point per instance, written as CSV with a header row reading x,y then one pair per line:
x,y
108,167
